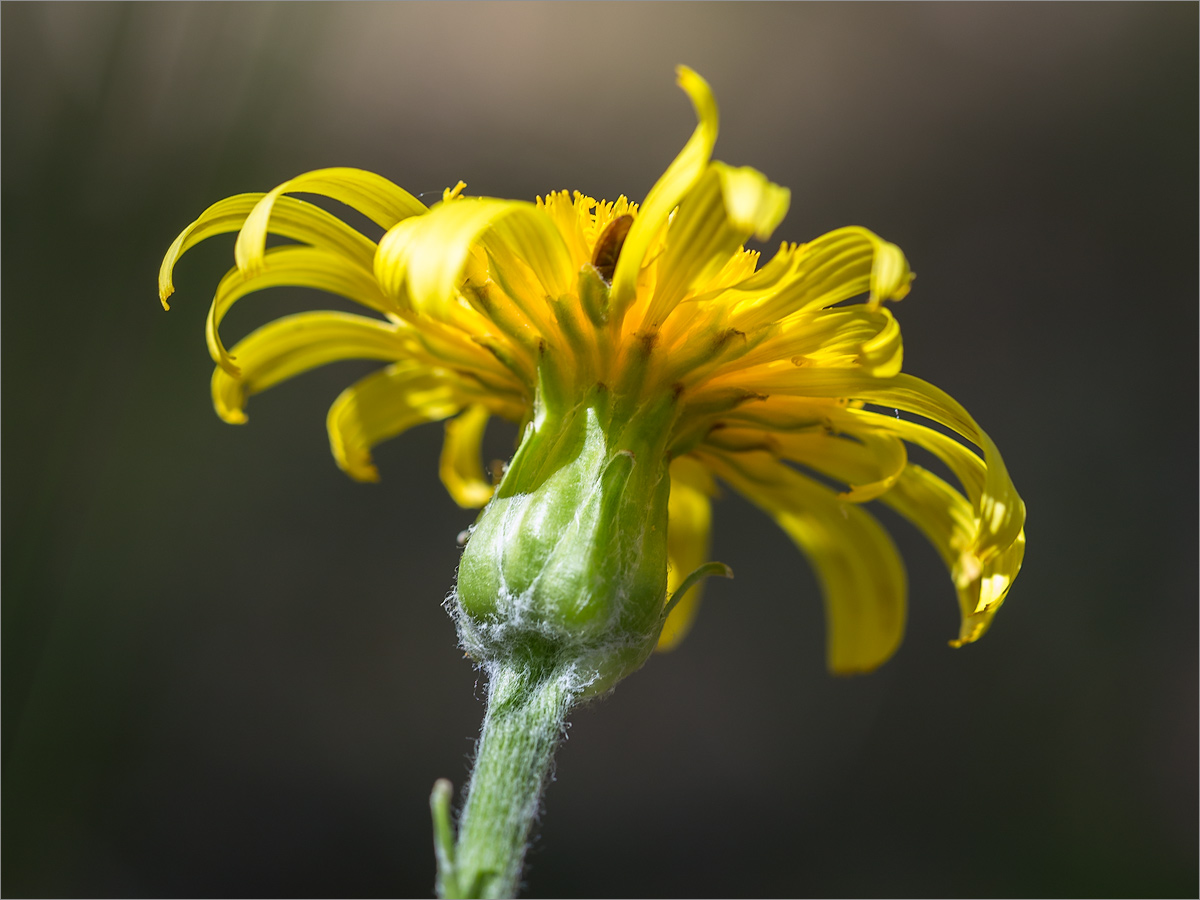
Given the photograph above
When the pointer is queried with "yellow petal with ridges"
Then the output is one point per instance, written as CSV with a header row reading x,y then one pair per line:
x,y
805,414
834,267
723,209
384,405
294,344
968,467
994,582
883,355
1000,510
856,563
461,464
804,417
868,463
381,201
421,261
753,203
858,336
292,218
947,520
689,526
679,178
289,267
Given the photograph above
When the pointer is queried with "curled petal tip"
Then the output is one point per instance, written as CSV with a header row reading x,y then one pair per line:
x,y
851,671
366,474
699,92
357,465
232,416
969,634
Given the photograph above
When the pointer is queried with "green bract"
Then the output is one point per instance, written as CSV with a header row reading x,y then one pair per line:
x,y
567,566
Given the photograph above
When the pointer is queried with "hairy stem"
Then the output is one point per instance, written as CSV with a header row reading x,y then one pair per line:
x,y
524,722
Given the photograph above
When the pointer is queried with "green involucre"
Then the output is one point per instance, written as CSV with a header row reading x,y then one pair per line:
x,y
567,566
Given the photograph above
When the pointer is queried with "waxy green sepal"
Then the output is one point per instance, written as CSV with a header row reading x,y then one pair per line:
x,y
567,566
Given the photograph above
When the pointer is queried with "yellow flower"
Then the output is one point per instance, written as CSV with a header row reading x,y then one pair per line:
x,y
765,377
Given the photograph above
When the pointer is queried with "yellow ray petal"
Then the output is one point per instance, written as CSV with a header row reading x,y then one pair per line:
x,y
286,347
381,201
806,414
869,465
883,355
421,261
967,466
858,336
834,267
723,209
867,461
386,404
679,178
290,267
779,413
800,419
856,563
689,525
292,218
946,519
999,508
461,465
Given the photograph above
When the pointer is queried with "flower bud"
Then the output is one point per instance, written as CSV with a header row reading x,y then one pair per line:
x,y
567,566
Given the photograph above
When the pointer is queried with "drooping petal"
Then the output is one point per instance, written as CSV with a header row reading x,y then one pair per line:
x,y
679,178
856,563
855,336
802,417
834,267
883,355
947,520
290,266
386,404
999,509
724,208
381,201
967,466
294,344
291,218
868,464
689,525
868,461
780,414
461,464
421,261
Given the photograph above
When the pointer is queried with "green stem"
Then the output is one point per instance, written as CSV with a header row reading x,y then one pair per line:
x,y
524,722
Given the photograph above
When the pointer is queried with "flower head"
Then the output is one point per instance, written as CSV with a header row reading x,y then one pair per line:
x,y
643,351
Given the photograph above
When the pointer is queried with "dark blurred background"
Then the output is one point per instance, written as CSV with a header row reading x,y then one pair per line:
x,y
225,666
